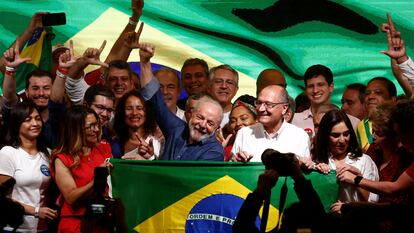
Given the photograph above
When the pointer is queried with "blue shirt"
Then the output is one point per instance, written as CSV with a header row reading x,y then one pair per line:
x,y
176,131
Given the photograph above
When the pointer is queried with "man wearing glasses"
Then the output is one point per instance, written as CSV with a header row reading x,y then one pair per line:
x,y
223,86
272,131
101,99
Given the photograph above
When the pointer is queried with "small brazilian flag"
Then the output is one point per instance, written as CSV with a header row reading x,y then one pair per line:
x,y
176,196
39,48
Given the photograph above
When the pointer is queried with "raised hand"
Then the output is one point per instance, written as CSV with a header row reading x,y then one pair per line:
x,y
137,6
12,56
68,58
36,20
267,181
132,38
396,46
146,51
91,55
220,137
146,150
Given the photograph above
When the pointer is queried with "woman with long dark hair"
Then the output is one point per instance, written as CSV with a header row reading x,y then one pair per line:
x,y
78,153
135,127
26,159
336,147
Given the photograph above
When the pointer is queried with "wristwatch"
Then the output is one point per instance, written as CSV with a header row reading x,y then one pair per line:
x,y
357,180
36,213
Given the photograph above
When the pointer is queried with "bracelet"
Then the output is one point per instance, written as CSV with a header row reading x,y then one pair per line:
x,y
357,180
10,69
62,70
60,74
36,213
9,73
132,22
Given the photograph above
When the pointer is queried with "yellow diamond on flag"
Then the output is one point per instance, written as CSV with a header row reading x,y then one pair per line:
x,y
212,208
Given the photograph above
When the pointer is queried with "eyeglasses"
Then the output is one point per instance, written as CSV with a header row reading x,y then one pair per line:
x,y
102,108
92,126
267,104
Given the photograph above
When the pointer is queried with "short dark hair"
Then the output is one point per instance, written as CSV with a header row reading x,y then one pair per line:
x,y
193,62
358,87
390,86
37,73
119,64
316,70
95,90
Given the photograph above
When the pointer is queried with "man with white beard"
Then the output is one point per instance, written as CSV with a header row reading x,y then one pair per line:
x,y
194,140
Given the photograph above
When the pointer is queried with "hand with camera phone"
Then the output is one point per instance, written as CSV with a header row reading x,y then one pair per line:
x,y
53,19
267,180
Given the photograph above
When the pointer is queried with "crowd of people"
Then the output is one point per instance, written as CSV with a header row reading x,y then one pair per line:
x,y
70,122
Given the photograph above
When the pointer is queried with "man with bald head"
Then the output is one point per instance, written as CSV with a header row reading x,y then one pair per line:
x,y
271,131
269,77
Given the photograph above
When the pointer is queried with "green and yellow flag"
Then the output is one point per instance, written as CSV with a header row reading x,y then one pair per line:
x,y
172,196
39,49
288,35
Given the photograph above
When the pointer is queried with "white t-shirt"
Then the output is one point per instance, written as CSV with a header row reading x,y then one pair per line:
x,y
367,167
255,140
407,68
32,176
158,148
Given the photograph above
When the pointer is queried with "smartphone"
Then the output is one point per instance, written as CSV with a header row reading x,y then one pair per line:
x,y
53,19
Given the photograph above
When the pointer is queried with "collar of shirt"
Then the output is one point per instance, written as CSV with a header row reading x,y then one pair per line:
x,y
307,114
274,135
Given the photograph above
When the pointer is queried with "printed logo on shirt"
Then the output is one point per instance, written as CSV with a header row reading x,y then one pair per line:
x,y
45,170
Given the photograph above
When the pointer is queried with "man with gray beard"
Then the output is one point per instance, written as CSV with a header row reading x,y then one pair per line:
x,y
194,140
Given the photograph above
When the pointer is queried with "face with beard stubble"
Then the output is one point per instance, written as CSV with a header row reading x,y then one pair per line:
x,y
39,90
204,121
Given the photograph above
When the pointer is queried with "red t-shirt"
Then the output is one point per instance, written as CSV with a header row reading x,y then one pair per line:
x,y
84,172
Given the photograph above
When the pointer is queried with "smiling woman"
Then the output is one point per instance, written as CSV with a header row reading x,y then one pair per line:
x,y
26,160
77,154
135,129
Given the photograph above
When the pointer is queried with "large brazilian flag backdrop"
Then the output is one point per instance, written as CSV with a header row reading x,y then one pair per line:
x,y
289,35
178,197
